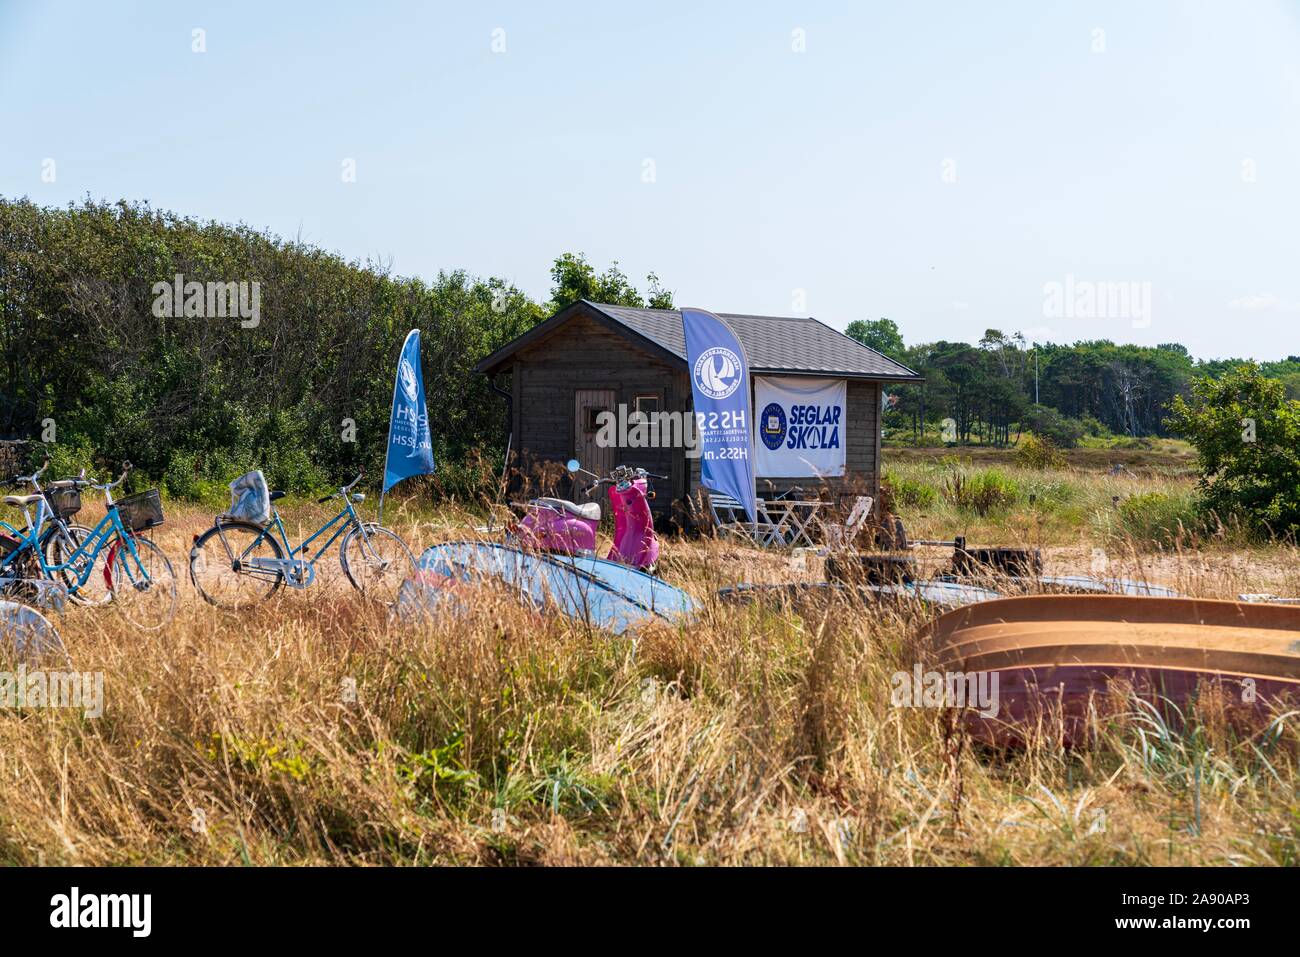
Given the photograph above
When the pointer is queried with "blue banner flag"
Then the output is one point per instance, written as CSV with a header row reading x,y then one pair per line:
x,y
720,389
410,447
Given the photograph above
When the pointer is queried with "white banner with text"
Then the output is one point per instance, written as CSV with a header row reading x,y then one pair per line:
x,y
801,426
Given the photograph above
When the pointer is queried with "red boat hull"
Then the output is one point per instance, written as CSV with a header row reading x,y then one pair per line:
x,y
1063,662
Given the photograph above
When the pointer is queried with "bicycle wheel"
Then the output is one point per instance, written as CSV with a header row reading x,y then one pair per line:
x,y
59,545
377,564
143,585
21,579
220,569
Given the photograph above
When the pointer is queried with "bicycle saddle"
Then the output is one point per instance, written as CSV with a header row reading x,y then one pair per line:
x,y
276,496
589,511
22,501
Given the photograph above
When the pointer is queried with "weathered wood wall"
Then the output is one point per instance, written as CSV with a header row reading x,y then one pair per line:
x,y
584,354
861,454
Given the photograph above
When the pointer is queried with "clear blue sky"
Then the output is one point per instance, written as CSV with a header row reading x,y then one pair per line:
x,y
1171,157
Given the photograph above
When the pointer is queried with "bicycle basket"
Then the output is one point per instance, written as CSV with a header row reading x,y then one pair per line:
x,y
140,511
64,502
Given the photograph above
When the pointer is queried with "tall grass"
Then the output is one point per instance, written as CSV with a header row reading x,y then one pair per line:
x,y
1159,518
314,730
980,491
1050,506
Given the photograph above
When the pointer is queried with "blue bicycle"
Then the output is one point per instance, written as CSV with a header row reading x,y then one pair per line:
x,y
59,538
237,562
134,572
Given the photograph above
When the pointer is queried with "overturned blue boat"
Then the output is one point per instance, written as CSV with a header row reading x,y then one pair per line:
x,y
1072,585
600,593
932,592
1083,585
26,634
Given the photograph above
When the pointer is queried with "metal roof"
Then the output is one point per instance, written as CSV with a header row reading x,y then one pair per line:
x,y
786,344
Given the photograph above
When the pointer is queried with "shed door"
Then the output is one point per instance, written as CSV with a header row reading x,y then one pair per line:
x,y
587,404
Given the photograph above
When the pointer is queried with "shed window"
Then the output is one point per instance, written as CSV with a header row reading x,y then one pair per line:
x,y
649,404
593,417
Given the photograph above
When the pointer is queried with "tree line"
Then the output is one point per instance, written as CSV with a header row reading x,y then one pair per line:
x,y
994,390
98,364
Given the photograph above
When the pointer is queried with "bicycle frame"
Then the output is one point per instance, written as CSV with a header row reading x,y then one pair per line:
x,y
109,526
9,563
345,519
28,539
44,513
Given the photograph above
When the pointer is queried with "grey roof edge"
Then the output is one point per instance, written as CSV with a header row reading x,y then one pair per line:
x,y
845,335
908,375
544,328
831,374
558,319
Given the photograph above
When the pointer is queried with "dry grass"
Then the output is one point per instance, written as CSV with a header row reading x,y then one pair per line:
x,y
1097,455
753,736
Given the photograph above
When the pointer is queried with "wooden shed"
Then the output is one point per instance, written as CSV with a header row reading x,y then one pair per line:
x,y
592,358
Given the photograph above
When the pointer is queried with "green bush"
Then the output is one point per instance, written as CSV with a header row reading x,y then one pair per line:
x,y
1050,494
909,493
1159,518
1063,431
474,480
1094,427
1038,452
1133,443
981,492
66,460
1246,432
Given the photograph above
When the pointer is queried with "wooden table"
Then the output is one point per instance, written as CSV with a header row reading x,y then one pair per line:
x,y
792,520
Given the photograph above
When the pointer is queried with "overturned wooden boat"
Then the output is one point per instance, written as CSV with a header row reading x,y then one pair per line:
x,y
1060,660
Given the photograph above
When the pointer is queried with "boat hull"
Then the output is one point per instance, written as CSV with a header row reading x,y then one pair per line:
x,y
1062,661
600,593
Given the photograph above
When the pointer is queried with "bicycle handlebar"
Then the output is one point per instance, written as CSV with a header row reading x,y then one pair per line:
x,y
79,482
32,479
109,486
344,490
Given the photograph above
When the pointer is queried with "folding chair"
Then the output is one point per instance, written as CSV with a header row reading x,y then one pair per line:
x,y
730,520
840,537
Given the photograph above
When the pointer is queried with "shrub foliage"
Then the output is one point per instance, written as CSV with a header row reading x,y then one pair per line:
x,y
195,400
1247,438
